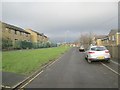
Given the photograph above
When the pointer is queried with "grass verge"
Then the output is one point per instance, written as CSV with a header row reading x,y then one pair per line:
x,y
27,61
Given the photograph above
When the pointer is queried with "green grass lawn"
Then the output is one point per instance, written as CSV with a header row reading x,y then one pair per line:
x,y
27,61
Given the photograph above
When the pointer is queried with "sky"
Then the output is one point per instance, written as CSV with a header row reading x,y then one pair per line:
x,y
62,21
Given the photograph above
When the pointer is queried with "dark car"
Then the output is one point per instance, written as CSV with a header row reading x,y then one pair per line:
x,y
81,49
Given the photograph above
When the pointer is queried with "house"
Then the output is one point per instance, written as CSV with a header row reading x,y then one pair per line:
x,y
114,37
14,33
100,40
105,41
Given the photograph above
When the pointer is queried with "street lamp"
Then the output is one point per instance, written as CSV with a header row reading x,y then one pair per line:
x,y
66,35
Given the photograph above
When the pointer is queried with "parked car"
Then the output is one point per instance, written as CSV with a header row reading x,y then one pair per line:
x,y
81,49
97,53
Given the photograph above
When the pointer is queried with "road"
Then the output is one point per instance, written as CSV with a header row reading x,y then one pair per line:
x,y
73,71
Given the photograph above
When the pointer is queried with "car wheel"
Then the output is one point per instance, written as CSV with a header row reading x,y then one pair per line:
x,y
85,58
89,61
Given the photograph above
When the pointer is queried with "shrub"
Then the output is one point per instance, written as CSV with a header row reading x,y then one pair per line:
x,y
6,43
23,45
26,44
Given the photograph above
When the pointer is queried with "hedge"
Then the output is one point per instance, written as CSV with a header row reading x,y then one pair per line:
x,y
25,44
6,43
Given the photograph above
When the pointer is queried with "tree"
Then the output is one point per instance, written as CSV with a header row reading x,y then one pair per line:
x,y
86,39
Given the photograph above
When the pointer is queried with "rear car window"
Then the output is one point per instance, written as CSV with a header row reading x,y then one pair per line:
x,y
98,48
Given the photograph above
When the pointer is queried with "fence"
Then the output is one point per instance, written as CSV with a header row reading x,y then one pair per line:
x,y
114,51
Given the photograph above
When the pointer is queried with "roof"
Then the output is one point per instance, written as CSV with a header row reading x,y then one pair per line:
x,y
45,36
41,34
36,32
13,27
100,36
113,31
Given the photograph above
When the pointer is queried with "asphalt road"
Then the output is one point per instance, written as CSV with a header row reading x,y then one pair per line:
x,y
73,71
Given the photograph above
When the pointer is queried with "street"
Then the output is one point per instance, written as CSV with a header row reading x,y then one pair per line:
x,y
73,71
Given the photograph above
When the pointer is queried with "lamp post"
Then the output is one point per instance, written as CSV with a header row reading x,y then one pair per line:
x,y
66,35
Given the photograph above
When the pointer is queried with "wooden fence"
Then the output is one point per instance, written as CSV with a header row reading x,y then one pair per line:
x,y
114,51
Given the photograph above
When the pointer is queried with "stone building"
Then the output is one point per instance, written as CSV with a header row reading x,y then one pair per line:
x,y
37,37
114,37
14,33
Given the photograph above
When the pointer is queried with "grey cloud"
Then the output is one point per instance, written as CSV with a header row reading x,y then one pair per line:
x,y
56,18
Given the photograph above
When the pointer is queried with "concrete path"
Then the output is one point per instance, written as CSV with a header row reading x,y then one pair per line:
x,y
10,79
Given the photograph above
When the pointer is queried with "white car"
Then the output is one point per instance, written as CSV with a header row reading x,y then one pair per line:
x,y
95,53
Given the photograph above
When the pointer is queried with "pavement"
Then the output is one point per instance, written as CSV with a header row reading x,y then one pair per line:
x,y
10,79
69,71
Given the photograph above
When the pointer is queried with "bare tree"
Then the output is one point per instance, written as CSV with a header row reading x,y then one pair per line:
x,y
86,39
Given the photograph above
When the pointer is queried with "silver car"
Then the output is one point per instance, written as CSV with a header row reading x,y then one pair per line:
x,y
95,53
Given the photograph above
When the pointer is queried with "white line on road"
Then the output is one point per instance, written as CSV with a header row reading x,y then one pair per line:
x,y
110,68
38,74
5,86
41,72
32,79
115,62
55,61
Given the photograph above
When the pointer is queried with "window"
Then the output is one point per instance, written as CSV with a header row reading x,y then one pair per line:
x,y
26,35
113,38
9,31
107,41
8,38
12,31
109,38
98,48
20,33
15,32
16,40
6,29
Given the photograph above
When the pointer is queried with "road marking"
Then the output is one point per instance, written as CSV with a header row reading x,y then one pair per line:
x,y
40,72
32,79
115,62
110,68
55,60
5,86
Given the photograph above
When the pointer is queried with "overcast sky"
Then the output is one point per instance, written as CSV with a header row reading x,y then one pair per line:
x,y
62,21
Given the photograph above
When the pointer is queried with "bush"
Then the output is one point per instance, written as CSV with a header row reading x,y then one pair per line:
x,y
53,45
26,44
6,43
23,45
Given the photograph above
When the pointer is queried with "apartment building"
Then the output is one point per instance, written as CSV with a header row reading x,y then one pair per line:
x,y
37,37
14,33
45,38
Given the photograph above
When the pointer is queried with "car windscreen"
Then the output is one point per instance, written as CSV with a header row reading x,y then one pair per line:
x,y
98,48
